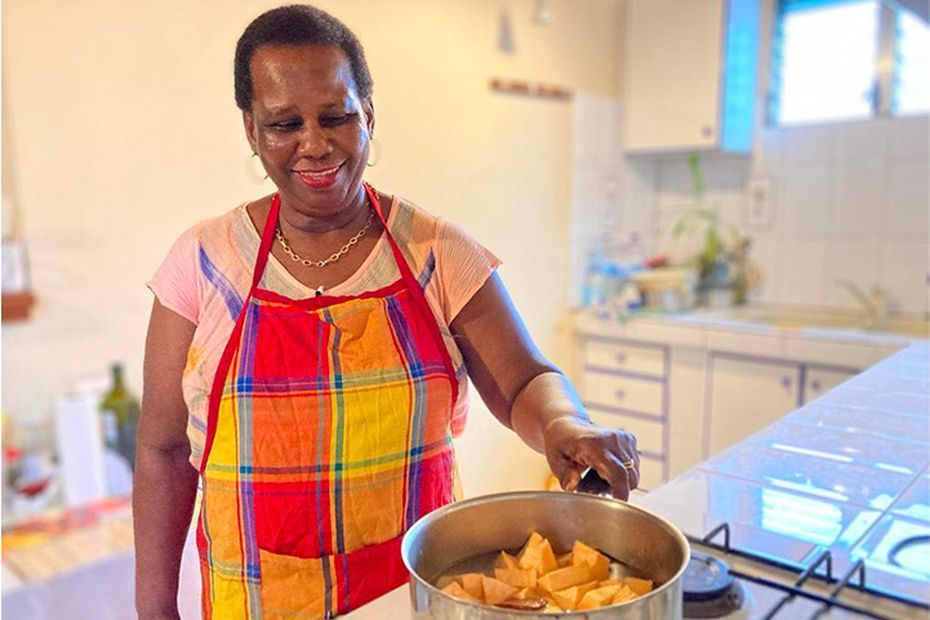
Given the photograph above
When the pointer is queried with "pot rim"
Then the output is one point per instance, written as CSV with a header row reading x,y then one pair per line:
x,y
437,514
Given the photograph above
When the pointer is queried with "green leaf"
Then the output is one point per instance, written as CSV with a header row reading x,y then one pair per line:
x,y
697,178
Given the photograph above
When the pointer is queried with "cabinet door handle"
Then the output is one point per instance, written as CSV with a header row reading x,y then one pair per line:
x,y
621,358
815,385
786,382
620,394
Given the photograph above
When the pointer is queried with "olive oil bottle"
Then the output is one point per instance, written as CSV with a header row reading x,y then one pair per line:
x,y
120,413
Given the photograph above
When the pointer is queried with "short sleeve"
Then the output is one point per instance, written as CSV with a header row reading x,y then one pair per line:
x,y
462,265
175,283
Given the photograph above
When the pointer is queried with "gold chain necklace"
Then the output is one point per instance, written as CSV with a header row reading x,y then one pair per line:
x,y
332,257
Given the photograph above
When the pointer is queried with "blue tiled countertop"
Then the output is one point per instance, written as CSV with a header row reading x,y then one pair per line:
x,y
849,472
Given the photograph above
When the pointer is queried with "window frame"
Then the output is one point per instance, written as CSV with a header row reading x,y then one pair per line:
x,y
882,104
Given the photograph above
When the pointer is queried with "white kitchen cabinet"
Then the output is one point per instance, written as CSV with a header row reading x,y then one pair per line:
x,y
689,75
689,388
624,384
746,395
821,379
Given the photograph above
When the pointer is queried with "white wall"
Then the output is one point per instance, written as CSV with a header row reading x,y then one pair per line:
x,y
847,201
123,132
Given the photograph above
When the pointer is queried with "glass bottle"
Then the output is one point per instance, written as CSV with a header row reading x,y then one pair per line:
x,y
120,412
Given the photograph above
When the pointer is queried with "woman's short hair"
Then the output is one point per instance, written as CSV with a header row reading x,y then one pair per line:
x,y
297,24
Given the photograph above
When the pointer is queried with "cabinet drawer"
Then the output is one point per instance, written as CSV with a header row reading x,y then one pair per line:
x,y
625,357
649,435
639,395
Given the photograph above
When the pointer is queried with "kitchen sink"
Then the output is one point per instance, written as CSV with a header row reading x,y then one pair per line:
x,y
846,321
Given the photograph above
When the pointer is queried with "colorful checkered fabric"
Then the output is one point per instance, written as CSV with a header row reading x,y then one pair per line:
x,y
328,436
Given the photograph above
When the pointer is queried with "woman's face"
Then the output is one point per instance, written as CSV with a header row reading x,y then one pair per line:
x,y
309,127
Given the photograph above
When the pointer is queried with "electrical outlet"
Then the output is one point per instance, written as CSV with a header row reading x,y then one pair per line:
x,y
758,212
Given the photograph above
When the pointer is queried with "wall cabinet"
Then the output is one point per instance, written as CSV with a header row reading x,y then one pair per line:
x,y
689,75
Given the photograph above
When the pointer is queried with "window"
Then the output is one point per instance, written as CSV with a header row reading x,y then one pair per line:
x,y
848,59
911,84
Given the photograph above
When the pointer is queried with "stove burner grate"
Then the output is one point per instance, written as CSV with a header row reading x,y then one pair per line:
x,y
805,573
710,591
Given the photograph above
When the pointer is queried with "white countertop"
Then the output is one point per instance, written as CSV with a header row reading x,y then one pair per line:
x,y
849,472
756,320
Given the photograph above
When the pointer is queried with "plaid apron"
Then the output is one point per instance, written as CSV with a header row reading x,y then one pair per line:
x,y
327,437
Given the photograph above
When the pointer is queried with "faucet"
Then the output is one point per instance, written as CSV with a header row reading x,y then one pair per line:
x,y
873,302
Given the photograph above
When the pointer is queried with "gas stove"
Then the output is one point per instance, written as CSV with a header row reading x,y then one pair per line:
x,y
723,581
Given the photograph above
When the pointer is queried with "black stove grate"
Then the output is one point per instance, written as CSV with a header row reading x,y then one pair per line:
x,y
804,574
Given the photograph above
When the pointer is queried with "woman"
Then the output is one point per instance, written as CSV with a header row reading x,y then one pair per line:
x,y
308,353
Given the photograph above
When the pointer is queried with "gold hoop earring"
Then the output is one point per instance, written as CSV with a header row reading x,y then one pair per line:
x,y
255,169
376,149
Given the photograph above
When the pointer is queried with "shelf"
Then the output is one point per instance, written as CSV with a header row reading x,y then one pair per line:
x,y
17,306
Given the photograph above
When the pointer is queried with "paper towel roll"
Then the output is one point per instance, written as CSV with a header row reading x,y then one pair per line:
x,y
80,447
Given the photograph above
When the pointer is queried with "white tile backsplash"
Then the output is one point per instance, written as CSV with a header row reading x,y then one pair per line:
x,y
765,257
804,200
858,205
856,260
905,272
809,145
801,265
909,140
908,201
861,141
847,200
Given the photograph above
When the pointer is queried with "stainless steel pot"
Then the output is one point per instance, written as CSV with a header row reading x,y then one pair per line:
x,y
654,548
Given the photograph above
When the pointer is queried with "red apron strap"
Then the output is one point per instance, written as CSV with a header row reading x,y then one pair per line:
x,y
402,265
264,249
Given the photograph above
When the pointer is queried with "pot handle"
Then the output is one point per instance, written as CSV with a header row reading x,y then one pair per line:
x,y
592,483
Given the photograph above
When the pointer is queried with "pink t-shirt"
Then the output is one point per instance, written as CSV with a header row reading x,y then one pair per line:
x,y
208,272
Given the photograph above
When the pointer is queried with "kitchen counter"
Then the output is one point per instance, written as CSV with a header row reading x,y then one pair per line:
x,y
762,330
849,472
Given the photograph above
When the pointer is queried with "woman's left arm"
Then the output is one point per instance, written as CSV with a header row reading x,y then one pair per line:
x,y
531,396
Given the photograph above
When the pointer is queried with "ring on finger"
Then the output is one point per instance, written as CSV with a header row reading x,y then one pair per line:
x,y
629,465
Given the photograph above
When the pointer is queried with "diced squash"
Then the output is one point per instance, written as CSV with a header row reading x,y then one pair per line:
x,y
505,560
625,594
473,583
583,579
496,591
517,577
534,539
567,577
598,562
567,598
639,586
587,587
598,597
455,590
539,557
445,580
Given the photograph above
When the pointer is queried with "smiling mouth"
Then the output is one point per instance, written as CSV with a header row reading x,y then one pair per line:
x,y
319,179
